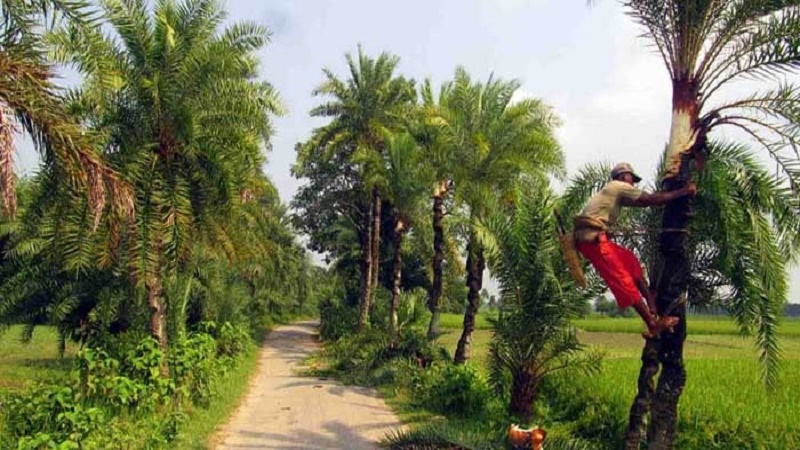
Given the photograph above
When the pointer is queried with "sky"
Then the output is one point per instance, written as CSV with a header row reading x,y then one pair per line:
x,y
609,88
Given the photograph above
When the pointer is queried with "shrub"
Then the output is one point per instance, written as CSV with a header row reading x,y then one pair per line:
x,y
116,394
452,390
336,320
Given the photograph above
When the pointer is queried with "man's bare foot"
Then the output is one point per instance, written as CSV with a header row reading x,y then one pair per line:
x,y
664,324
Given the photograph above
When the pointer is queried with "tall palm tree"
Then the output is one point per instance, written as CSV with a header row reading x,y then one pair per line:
x,y
746,234
708,45
184,118
371,102
30,100
406,173
496,143
430,132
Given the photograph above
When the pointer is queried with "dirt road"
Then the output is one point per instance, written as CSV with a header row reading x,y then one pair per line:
x,y
283,411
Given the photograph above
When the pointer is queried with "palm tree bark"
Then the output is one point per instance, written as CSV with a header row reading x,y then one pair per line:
x,y
435,294
8,190
397,265
158,317
523,394
365,281
376,244
644,397
685,137
674,245
475,266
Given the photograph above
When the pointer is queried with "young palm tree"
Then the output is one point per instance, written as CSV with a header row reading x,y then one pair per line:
x,y
745,236
30,100
707,46
532,335
371,102
185,119
496,142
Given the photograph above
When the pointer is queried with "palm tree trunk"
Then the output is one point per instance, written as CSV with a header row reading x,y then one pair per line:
x,y
435,294
8,190
158,317
523,394
475,266
671,289
397,265
376,244
644,397
675,266
365,281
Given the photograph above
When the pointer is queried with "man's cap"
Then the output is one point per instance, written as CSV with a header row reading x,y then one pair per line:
x,y
624,167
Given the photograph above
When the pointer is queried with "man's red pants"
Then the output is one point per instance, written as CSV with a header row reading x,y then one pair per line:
x,y
617,265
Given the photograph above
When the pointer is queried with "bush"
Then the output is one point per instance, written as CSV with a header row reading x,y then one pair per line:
x,y
231,340
336,320
116,394
452,390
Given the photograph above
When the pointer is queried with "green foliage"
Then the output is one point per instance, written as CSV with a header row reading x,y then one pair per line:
x,y
452,390
533,336
468,436
449,435
716,44
116,394
724,408
336,319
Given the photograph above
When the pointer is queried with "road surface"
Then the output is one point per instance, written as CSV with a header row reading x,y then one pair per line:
x,y
283,411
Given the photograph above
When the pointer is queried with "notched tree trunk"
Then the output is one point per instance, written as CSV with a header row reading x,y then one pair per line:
x,y
397,265
8,179
672,284
435,294
644,397
475,266
158,317
365,281
375,246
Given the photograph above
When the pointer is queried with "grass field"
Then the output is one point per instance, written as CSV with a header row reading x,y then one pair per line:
x,y
724,375
696,324
23,364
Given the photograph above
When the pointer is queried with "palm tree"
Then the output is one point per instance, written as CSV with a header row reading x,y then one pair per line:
x,y
430,132
707,46
496,142
405,175
370,103
532,335
184,118
30,100
745,237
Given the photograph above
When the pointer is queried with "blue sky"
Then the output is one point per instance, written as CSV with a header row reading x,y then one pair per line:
x,y
610,90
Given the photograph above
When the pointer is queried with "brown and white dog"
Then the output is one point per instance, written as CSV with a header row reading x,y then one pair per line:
x,y
527,439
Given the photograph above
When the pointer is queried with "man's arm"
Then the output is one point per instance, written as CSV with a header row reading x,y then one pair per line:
x,y
663,197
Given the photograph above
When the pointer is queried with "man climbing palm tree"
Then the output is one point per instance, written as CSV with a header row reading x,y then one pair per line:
x,y
617,265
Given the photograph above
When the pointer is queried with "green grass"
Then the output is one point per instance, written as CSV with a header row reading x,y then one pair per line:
x,y
695,325
713,325
38,361
452,321
23,364
724,385
727,393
